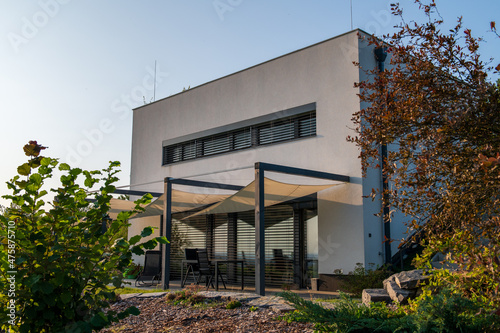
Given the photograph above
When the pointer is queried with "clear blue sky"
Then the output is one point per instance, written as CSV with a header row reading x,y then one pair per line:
x,y
71,71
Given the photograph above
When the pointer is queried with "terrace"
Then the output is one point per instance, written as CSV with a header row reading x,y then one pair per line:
x,y
264,225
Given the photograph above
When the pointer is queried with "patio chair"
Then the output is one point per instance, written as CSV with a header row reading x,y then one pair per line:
x,y
205,269
152,269
282,267
192,256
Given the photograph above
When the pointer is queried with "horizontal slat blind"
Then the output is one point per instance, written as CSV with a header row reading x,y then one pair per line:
x,y
194,233
279,130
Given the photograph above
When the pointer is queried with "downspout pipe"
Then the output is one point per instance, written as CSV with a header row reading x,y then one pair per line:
x,y
380,56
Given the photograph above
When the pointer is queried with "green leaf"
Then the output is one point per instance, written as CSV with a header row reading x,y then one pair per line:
x,y
135,239
66,297
64,166
35,163
137,250
46,288
24,169
36,178
20,260
150,244
48,315
122,315
133,311
40,248
89,182
162,240
147,231
121,243
75,172
54,257
45,161
99,320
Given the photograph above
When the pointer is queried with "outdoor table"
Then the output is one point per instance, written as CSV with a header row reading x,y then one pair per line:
x,y
228,261
216,262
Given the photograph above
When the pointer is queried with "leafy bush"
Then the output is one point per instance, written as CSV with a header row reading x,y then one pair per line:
x,y
66,252
348,315
132,270
478,282
444,312
233,305
187,296
449,311
362,278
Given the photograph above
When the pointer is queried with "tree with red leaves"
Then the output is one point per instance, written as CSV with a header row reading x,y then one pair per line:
x,y
438,111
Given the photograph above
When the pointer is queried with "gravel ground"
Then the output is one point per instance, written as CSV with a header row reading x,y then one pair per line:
x,y
159,316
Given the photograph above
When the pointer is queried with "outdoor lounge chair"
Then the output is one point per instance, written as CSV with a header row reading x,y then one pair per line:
x,y
152,269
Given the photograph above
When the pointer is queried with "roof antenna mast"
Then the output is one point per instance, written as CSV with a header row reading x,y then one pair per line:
x,y
154,86
351,13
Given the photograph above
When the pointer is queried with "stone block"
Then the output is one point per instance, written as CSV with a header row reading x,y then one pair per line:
x,y
397,294
389,280
375,295
410,279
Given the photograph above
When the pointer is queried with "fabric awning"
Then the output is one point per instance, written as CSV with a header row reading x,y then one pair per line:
x,y
181,202
118,205
275,192
244,200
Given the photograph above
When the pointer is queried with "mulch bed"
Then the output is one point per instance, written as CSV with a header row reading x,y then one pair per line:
x,y
159,316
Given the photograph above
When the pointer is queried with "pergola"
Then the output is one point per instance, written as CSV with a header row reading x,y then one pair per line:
x,y
259,189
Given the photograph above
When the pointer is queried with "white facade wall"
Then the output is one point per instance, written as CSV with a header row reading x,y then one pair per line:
x,y
348,231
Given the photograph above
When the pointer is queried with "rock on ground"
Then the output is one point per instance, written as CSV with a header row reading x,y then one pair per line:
x,y
375,295
410,279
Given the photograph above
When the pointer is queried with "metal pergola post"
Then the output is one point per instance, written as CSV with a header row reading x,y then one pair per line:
x,y
167,222
260,248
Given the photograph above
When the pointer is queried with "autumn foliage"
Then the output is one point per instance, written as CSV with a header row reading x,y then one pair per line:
x,y
437,109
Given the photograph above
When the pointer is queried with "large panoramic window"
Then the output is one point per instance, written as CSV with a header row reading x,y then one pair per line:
x,y
279,130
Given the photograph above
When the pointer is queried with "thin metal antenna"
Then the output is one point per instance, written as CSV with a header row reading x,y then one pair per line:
x,y
154,87
351,14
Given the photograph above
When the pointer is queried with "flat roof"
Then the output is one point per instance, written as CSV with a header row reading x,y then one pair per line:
x,y
357,30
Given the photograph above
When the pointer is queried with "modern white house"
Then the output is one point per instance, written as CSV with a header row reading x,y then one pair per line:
x,y
278,128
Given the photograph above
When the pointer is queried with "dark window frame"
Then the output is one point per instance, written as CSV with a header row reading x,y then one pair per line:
x,y
280,130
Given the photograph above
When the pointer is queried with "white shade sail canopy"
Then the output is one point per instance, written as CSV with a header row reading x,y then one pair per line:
x,y
118,205
181,202
274,192
244,200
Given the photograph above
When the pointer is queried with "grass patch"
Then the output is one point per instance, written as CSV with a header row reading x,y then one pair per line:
x,y
130,290
233,305
337,300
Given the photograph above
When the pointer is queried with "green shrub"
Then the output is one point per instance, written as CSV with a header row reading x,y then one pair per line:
x,y
449,311
188,296
132,270
348,315
65,253
444,312
233,305
362,278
